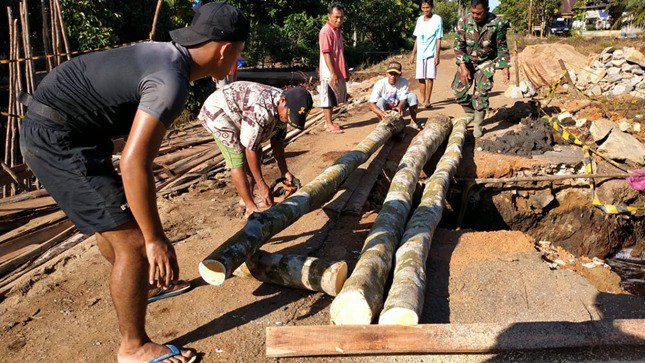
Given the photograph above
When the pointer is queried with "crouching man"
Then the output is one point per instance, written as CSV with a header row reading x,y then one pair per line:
x,y
391,93
243,115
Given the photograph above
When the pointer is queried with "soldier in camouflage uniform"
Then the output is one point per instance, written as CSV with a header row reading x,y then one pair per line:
x,y
481,48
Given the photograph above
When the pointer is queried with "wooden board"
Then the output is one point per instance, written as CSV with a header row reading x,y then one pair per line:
x,y
22,172
32,225
288,341
25,207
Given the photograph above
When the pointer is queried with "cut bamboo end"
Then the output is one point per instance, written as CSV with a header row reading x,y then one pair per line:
x,y
350,308
398,316
336,277
213,272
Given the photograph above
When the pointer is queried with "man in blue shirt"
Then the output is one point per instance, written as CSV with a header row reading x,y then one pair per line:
x,y
427,48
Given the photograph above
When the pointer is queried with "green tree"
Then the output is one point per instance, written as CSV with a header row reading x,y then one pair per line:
x,y
631,11
517,12
449,12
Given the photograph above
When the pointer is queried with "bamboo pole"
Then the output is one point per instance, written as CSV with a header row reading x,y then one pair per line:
x,y
154,20
361,299
54,25
61,24
404,303
29,68
261,226
302,272
7,145
46,39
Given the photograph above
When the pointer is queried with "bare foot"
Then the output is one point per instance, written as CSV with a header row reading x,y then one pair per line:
x,y
150,351
249,211
334,129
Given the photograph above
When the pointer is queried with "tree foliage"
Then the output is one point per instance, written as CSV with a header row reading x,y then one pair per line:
x,y
449,13
517,12
631,11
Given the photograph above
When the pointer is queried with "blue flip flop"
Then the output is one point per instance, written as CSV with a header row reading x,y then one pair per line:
x,y
164,293
174,351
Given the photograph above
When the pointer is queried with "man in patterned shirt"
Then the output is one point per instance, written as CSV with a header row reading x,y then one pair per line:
x,y
243,115
480,48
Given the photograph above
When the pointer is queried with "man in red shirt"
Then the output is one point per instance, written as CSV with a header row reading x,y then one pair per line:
x,y
333,69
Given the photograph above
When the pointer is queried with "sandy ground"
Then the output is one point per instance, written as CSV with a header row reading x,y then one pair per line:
x,y
475,276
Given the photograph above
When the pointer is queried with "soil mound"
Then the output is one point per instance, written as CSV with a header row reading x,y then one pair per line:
x,y
534,138
539,63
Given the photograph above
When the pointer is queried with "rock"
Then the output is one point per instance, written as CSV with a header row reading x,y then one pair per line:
x,y
573,75
581,122
607,50
619,54
637,127
621,89
624,125
613,70
640,85
523,87
634,81
596,90
513,92
599,129
638,70
509,92
597,75
613,78
634,56
637,94
622,146
618,62
598,65
532,91
627,75
604,58
628,67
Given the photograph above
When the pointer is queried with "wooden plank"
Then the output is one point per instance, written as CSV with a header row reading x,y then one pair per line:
x,y
25,207
22,244
336,340
33,225
355,204
22,171
61,232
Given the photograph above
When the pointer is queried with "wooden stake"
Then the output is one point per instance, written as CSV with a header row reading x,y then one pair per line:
x,y
572,86
54,24
61,23
302,341
7,146
302,272
517,65
154,20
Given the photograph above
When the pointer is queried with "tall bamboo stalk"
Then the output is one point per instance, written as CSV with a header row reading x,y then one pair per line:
x,y
54,25
361,298
404,303
7,144
18,107
29,68
46,40
154,20
261,226
61,24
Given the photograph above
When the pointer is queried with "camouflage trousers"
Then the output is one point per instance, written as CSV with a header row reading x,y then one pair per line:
x,y
482,76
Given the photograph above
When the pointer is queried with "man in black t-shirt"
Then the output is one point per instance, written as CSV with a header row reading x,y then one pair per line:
x,y
65,139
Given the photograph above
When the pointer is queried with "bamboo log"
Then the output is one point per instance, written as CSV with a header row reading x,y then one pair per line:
x,y
54,22
261,226
405,299
30,71
63,31
154,20
362,296
302,272
329,340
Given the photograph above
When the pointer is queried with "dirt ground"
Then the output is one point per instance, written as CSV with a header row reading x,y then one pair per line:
x,y
67,316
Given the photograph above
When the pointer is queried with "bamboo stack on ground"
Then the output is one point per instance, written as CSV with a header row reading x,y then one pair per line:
x,y
361,298
219,265
404,303
302,272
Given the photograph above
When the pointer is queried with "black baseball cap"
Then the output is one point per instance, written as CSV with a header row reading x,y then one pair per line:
x,y
213,21
299,103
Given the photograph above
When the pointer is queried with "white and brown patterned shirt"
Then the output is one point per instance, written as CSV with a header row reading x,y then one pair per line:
x,y
243,115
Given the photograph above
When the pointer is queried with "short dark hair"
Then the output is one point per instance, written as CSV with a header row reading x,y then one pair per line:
x,y
429,2
337,6
483,3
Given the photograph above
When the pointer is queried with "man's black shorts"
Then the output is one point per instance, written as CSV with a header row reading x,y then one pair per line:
x,y
77,171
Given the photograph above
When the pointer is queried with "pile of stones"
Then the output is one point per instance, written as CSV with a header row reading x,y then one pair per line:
x,y
616,72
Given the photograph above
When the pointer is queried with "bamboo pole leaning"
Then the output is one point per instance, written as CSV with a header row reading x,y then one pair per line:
x,y
219,265
302,272
61,24
404,303
361,299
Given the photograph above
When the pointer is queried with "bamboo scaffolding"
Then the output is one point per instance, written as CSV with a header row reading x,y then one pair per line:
x,y
221,263
45,35
29,68
361,299
54,25
404,303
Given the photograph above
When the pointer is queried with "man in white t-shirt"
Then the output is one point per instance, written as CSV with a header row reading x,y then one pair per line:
x,y
391,93
427,48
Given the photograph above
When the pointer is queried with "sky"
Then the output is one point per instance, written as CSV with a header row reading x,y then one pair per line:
x,y
493,4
